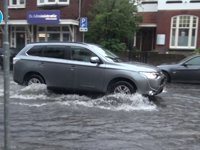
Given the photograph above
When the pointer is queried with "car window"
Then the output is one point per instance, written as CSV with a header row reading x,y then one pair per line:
x,y
81,54
106,53
54,51
194,61
35,51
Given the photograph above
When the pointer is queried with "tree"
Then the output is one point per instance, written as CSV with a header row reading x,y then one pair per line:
x,y
197,50
112,23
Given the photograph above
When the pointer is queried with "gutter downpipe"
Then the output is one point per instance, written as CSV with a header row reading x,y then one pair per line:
x,y
79,9
79,14
71,28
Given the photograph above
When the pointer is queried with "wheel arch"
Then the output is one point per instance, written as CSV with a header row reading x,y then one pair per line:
x,y
166,73
121,79
28,74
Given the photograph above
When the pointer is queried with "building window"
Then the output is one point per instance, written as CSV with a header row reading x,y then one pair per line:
x,y
184,32
143,1
17,3
194,1
173,1
52,2
148,1
53,34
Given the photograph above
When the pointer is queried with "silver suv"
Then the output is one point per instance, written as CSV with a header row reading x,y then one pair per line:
x,y
84,67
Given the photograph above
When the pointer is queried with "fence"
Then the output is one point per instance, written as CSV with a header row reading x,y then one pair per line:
x,y
153,58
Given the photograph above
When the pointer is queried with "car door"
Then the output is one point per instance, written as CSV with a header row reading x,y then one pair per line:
x,y
56,67
88,76
188,71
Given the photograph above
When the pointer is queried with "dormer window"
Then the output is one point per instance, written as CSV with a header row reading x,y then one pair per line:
x,y
173,1
17,3
144,1
52,2
149,1
194,1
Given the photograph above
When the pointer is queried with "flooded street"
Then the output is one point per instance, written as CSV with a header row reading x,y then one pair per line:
x,y
40,120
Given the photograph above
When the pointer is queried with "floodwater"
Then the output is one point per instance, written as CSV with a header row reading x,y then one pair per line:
x,y
40,120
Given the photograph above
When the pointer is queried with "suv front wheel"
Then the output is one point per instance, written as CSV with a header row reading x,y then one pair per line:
x,y
122,87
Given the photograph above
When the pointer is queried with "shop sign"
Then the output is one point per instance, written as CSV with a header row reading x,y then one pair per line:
x,y
43,17
1,16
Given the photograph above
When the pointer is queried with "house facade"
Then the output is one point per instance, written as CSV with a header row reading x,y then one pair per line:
x,y
43,21
169,25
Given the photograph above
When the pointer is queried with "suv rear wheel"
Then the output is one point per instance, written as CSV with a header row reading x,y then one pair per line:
x,y
32,79
122,87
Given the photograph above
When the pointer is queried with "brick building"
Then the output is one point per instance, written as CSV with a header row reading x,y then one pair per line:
x,y
169,25
43,20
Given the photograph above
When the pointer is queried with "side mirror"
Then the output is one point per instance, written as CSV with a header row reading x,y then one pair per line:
x,y
95,60
185,65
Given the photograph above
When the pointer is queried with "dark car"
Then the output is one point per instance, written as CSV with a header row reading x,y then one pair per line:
x,y
185,71
13,53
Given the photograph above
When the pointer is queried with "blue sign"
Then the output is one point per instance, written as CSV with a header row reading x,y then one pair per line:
x,y
1,16
43,17
83,24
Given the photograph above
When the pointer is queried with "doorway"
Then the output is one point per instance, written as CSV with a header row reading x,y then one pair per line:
x,y
20,40
146,39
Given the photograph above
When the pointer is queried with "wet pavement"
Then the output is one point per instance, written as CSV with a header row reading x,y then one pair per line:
x,y
40,120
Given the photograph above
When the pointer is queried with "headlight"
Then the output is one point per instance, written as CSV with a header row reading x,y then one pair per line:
x,y
150,75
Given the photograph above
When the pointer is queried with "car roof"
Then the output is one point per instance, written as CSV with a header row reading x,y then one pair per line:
x,y
52,43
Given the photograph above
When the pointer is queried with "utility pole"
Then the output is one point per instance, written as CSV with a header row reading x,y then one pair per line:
x,y
6,67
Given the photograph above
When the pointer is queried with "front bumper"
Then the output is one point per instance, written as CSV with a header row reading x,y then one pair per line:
x,y
157,85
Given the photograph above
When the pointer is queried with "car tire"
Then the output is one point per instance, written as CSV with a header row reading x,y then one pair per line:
x,y
34,79
122,87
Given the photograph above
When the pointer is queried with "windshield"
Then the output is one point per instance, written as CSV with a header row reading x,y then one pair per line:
x,y
185,59
108,54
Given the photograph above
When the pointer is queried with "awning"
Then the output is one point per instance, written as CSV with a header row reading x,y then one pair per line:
x,y
24,22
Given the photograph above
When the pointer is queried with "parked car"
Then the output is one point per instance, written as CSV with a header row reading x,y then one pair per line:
x,y
84,67
185,71
13,53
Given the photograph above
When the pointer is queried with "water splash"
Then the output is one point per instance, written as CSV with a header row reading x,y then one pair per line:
x,y
30,105
117,102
